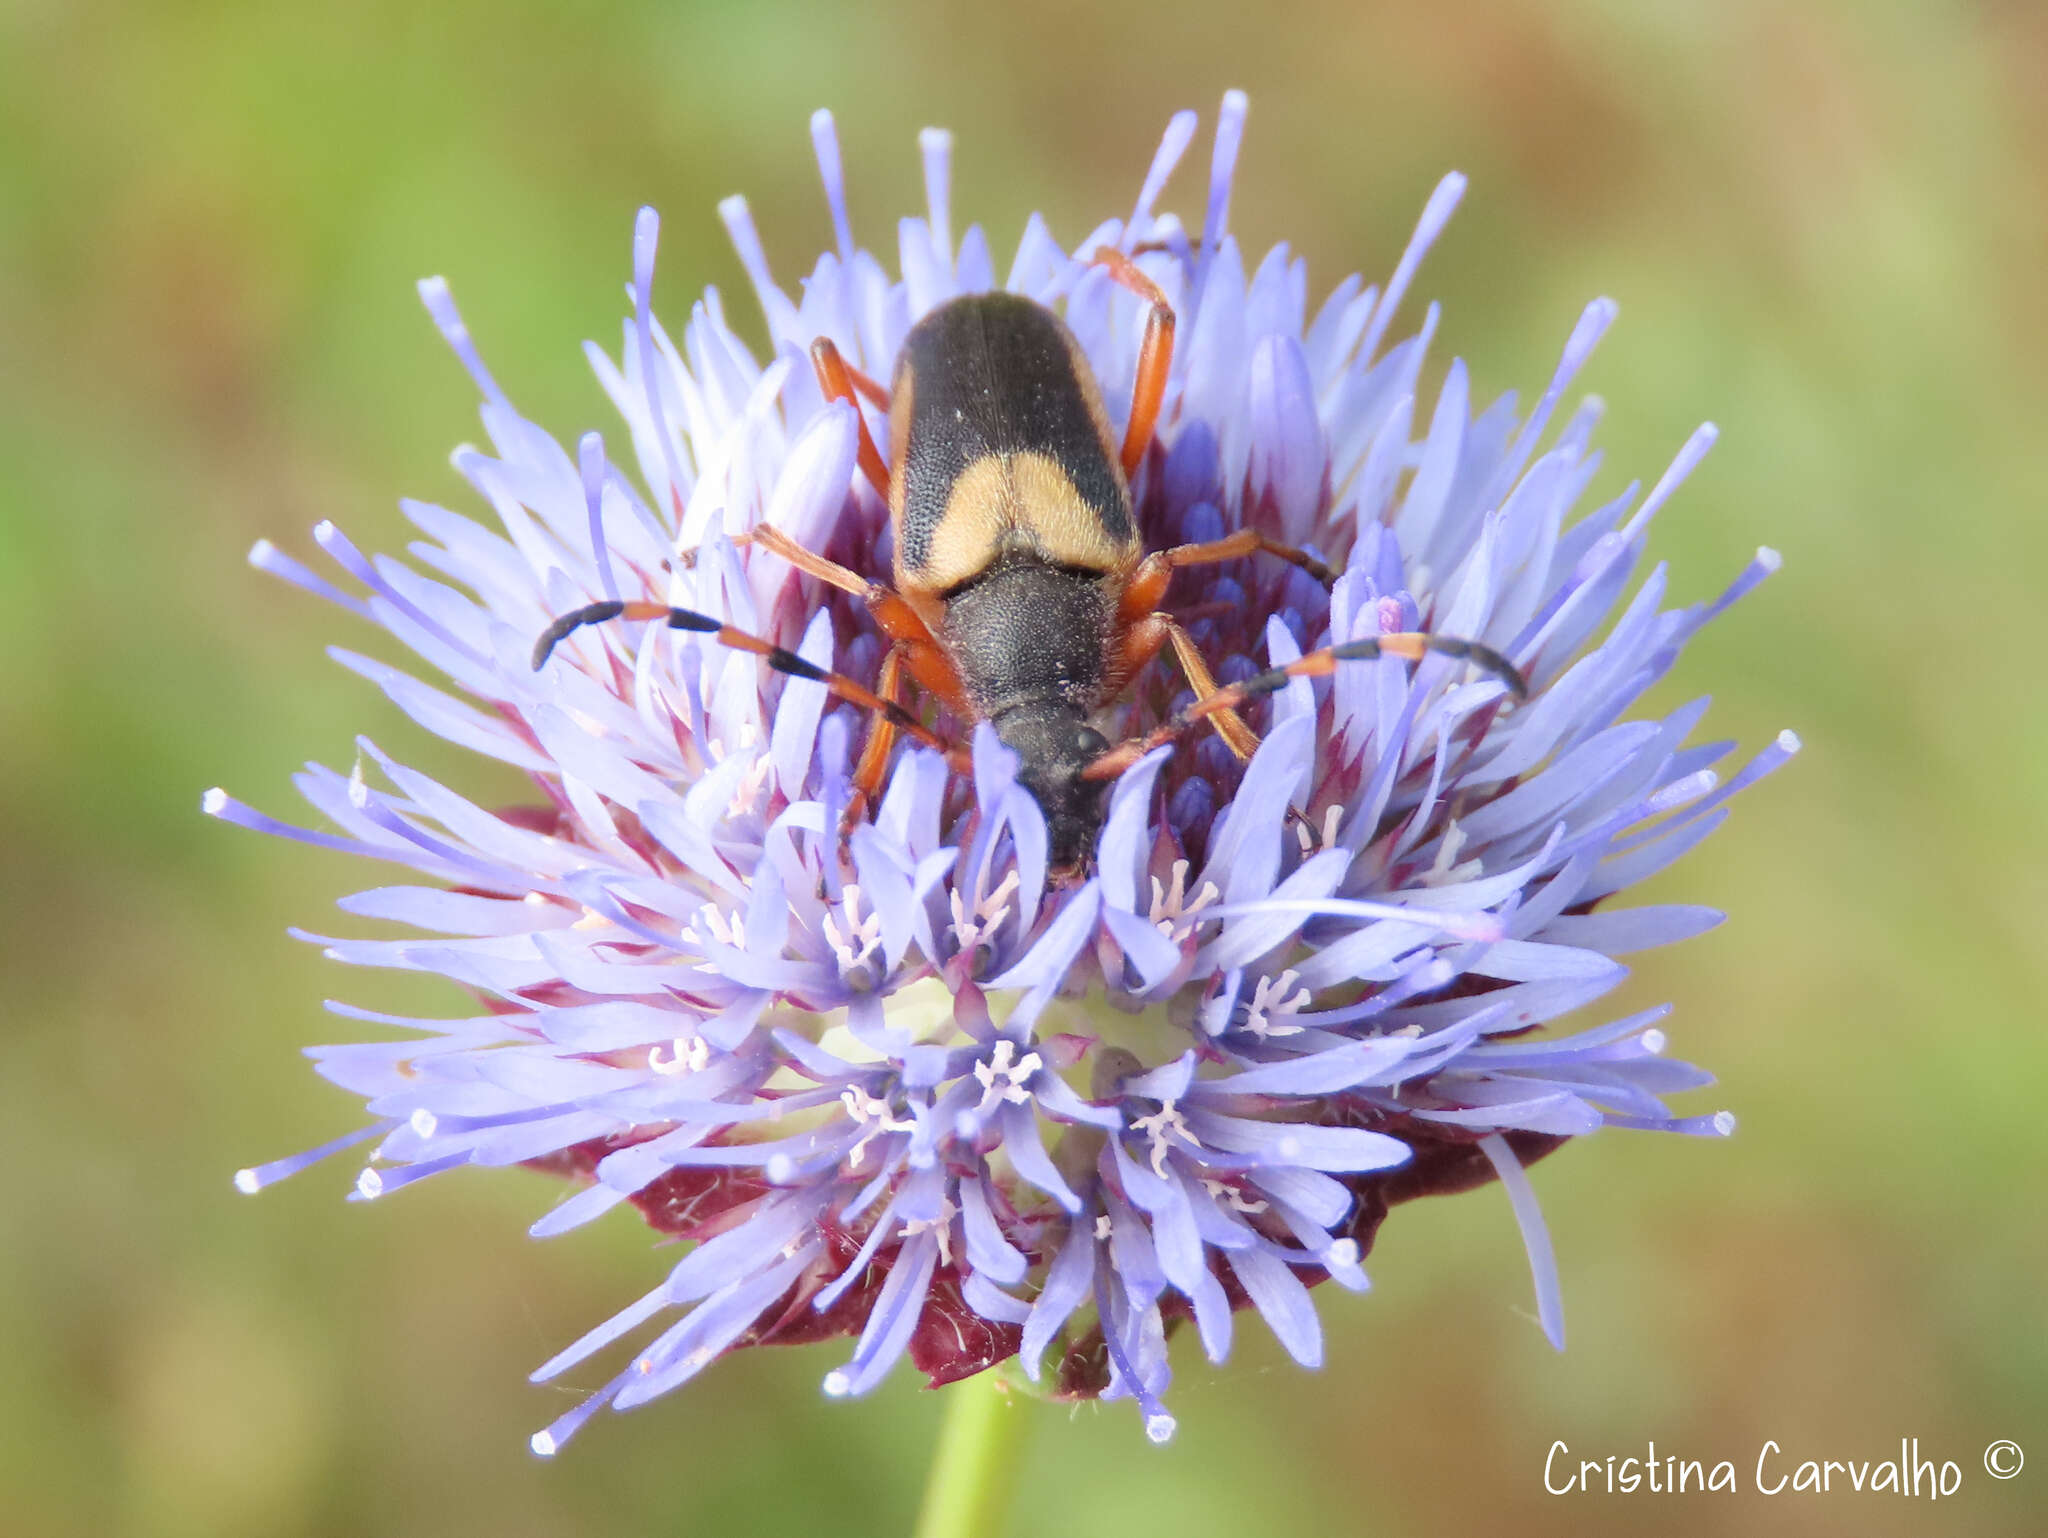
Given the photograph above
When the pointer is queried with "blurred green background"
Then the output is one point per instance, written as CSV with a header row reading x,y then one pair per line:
x,y
1827,226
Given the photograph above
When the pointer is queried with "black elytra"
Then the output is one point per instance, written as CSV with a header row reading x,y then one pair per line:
x,y
992,376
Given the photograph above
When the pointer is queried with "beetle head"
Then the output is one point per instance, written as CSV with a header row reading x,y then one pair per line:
x,y
1053,744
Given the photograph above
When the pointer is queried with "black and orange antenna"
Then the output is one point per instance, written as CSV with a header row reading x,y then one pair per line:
x,y
780,658
1413,645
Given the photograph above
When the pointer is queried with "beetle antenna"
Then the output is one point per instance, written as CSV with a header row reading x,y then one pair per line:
x,y
1413,645
781,659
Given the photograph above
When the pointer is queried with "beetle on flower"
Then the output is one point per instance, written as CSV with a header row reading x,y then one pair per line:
x,y
847,1026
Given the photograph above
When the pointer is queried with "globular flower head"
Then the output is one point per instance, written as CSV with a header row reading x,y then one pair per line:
x,y
897,1082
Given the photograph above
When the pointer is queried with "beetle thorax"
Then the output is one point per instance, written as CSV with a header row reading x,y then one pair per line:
x,y
1029,633
1029,639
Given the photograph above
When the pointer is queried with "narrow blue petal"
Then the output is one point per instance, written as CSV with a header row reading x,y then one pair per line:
x,y
586,1205
988,1250
1563,1114
991,1302
1244,855
1282,1302
1067,1282
1314,1147
1044,967
1319,1073
1153,955
1535,1236
712,1326
622,1323
1028,1156
1618,932
796,717
253,1179
1323,1201
1122,848
892,1321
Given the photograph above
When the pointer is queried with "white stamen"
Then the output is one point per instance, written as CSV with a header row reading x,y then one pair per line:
x,y
369,1185
988,915
1270,998
1001,1079
1232,1195
867,931
942,1226
838,1384
1103,1226
877,1118
754,781
725,931
687,1054
542,1444
1446,871
1323,838
248,1182
1173,915
1160,1428
424,1123
1156,1127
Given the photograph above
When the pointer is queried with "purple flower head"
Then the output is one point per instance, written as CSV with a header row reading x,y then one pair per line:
x,y
895,1082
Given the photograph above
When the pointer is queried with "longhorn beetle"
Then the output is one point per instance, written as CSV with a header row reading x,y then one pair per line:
x,y
1023,596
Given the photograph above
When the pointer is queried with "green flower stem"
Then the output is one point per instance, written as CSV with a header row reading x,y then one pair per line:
x,y
975,1468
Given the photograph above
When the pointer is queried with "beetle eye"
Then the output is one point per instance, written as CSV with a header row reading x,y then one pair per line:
x,y
1090,743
